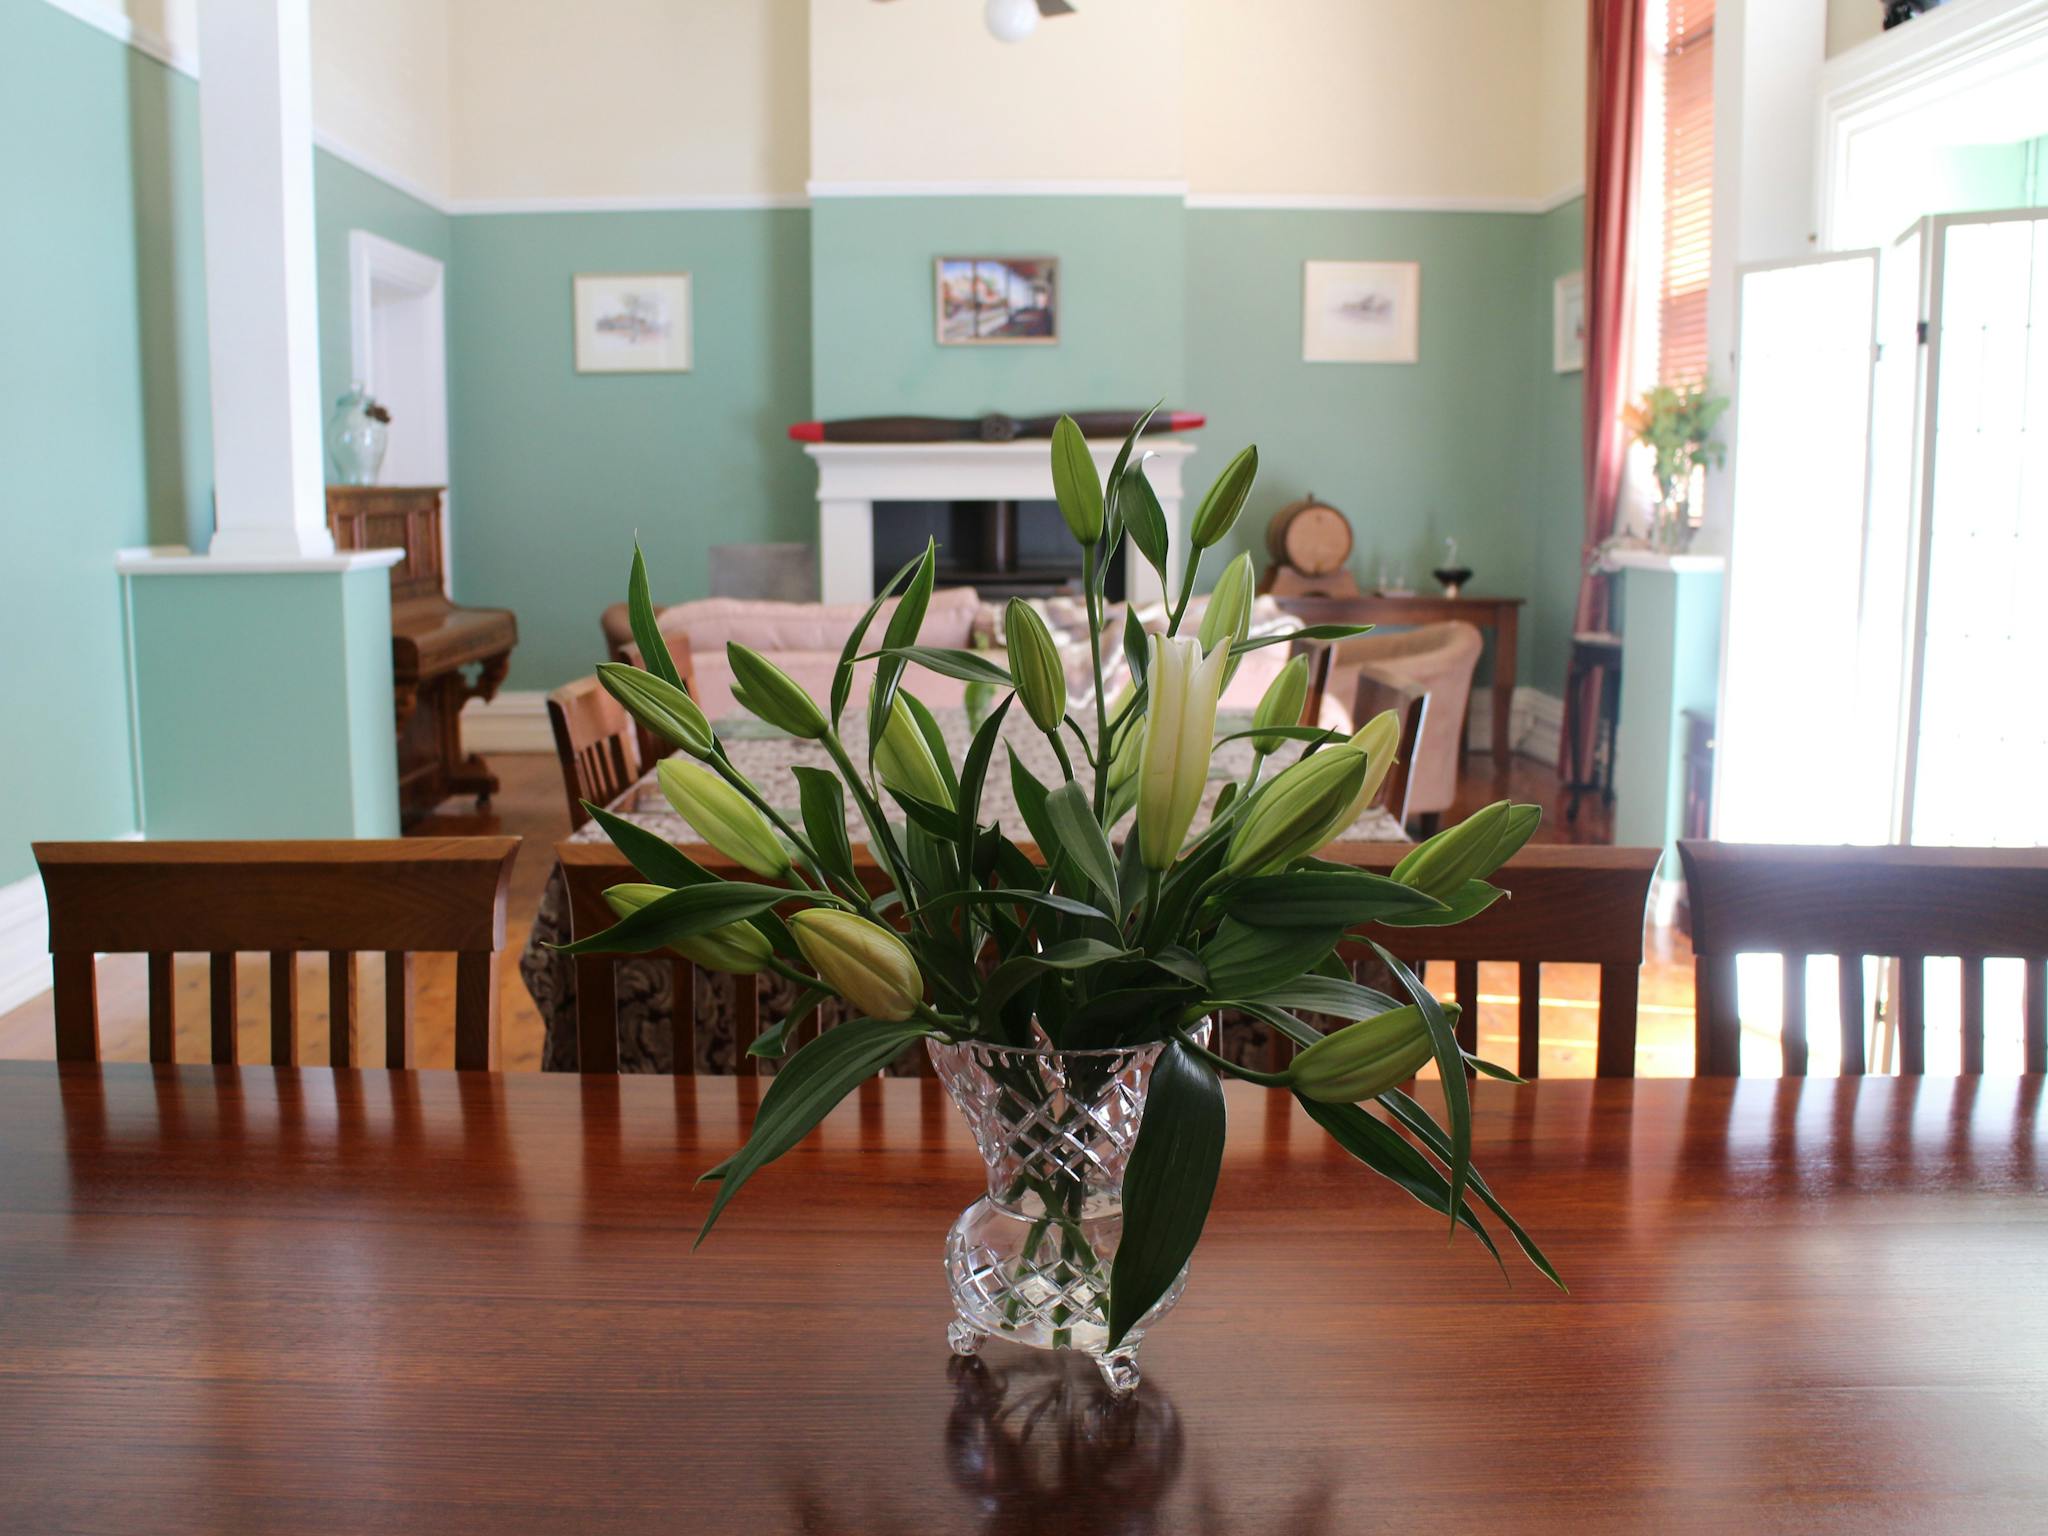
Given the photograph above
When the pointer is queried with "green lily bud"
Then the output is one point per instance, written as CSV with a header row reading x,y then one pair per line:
x,y
1227,620
773,694
1362,1061
1075,483
740,948
862,961
1130,747
1282,705
1517,828
1035,665
1377,740
722,817
1225,500
1442,865
1291,815
904,760
660,706
1180,733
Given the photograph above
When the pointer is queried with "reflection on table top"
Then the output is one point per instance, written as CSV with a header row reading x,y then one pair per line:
x,y
253,1300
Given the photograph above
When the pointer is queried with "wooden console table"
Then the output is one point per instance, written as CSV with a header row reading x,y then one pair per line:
x,y
1501,615
432,641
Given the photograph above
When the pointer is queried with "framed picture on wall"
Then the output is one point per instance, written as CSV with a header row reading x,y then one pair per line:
x,y
1361,311
1568,323
996,301
632,322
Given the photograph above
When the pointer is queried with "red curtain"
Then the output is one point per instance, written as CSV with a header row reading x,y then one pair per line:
x,y
1615,61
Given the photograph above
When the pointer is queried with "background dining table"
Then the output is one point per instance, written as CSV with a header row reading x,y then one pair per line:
x,y
252,1300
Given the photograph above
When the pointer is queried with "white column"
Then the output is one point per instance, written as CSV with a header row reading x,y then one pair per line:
x,y
262,316
846,550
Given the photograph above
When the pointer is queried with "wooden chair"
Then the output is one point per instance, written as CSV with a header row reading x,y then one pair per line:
x,y
1412,705
1565,904
419,895
1899,903
587,868
597,744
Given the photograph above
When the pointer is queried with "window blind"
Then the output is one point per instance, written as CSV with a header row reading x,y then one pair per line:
x,y
1688,81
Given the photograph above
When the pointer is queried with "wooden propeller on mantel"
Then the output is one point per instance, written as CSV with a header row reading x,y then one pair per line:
x,y
984,429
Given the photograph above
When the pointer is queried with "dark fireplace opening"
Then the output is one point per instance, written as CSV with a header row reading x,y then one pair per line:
x,y
1000,548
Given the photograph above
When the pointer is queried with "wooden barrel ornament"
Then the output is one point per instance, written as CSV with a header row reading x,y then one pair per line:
x,y
1310,537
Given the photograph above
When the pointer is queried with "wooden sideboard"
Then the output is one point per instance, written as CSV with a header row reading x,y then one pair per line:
x,y
434,643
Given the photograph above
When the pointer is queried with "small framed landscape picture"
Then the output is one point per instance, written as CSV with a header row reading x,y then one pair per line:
x,y
984,301
1568,323
1361,311
633,322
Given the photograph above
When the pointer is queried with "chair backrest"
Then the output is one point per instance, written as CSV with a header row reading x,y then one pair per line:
x,y
597,744
1902,904
1411,703
399,897
1566,903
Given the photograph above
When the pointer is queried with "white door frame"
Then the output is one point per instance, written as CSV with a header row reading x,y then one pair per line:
x,y
375,262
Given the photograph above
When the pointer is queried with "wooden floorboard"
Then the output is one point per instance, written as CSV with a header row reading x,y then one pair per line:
x,y
530,805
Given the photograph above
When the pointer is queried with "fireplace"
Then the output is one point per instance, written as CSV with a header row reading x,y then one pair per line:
x,y
1004,548
989,505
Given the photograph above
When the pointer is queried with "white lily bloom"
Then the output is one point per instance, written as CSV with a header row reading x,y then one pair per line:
x,y
1180,732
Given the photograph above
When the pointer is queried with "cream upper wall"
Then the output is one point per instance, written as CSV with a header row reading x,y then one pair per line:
x,y
918,91
1561,60
380,75
627,99
1851,22
1376,98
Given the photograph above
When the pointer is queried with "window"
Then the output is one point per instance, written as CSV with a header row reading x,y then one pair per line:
x,y
1681,78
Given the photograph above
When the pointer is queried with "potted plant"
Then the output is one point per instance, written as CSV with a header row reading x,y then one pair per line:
x,y
1066,999
1676,423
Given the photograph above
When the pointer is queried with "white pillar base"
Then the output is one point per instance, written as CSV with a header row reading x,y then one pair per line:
x,y
271,541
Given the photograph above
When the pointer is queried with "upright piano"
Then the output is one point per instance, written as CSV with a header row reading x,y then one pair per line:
x,y
442,655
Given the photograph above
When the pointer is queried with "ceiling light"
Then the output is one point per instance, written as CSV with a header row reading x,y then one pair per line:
x,y
1011,21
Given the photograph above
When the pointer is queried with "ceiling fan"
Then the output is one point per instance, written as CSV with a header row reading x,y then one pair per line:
x,y
1012,21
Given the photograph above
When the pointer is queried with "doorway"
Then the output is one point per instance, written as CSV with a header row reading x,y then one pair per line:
x,y
398,351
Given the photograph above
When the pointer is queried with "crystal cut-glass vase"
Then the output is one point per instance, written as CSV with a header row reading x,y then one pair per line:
x,y
1030,1260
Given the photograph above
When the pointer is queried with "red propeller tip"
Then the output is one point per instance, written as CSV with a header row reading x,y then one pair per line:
x,y
807,431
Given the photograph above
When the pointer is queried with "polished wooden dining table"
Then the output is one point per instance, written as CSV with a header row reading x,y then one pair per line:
x,y
255,1300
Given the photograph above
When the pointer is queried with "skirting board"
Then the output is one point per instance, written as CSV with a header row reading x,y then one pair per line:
x,y
1535,723
515,721
24,942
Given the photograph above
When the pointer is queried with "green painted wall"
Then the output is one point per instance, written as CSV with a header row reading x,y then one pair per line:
x,y
555,471
1556,465
104,417
1122,304
1673,665
287,764
71,430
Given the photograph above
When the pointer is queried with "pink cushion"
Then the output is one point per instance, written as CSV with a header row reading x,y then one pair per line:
x,y
771,627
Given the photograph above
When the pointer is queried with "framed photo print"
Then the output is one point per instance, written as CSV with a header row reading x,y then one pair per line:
x,y
633,322
990,301
1361,311
1568,323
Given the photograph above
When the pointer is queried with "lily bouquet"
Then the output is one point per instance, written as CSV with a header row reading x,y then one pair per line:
x,y
1065,991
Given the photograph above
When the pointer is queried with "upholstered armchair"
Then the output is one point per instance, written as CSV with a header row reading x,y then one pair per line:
x,y
1437,658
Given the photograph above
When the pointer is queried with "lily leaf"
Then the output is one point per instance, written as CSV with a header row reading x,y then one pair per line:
x,y
1450,1066
773,1040
842,674
647,633
1322,897
665,864
1144,518
1324,994
822,800
902,630
1306,632
1248,962
805,1091
1467,901
1168,1185
680,915
1381,1149
1430,1134
963,666
974,771
1079,836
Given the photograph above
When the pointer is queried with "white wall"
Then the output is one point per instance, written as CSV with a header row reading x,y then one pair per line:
x,y
631,99
380,86
1373,98
918,91
1561,61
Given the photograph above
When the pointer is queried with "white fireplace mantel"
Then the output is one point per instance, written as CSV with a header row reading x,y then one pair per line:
x,y
852,477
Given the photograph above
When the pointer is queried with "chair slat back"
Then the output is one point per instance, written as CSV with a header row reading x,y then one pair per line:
x,y
401,897
596,743
1901,904
1567,904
